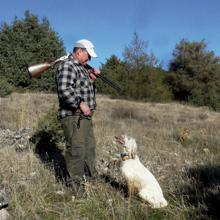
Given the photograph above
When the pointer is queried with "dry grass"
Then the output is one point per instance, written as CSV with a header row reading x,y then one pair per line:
x,y
24,110
179,144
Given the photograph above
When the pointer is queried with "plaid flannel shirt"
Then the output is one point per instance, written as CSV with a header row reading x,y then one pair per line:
x,y
73,86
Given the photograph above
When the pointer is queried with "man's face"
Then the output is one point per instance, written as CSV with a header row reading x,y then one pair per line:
x,y
83,56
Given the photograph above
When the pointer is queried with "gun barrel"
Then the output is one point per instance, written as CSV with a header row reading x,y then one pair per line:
x,y
104,79
109,82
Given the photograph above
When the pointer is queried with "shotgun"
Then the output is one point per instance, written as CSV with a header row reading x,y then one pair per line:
x,y
38,69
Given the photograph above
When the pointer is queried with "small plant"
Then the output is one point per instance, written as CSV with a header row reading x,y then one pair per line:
x,y
5,87
183,136
50,124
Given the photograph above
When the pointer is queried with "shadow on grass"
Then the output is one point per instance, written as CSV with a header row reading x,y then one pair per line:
x,y
205,189
115,184
47,150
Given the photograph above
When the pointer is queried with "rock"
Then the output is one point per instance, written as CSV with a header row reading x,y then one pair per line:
x,y
18,139
17,136
206,150
3,199
60,192
4,215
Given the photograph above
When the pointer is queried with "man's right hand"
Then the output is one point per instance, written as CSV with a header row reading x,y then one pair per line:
x,y
85,109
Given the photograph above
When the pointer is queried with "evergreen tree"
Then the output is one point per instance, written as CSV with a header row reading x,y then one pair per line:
x,y
137,74
145,79
195,74
25,42
136,56
114,69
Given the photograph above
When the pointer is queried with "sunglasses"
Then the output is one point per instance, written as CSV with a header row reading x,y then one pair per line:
x,y
84,50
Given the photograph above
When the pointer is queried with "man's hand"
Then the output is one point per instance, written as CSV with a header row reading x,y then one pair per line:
x,y
85,109
94,73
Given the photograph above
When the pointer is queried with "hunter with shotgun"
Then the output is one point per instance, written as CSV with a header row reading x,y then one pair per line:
x,y
75,81
77,102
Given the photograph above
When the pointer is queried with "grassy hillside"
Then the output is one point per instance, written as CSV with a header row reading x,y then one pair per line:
x,y
179,144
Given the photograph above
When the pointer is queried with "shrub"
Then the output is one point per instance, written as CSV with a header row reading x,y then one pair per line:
x,y
195,74
49,127
210,98
5,88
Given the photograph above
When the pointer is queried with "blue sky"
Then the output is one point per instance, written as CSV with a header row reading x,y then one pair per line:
x,y
110,24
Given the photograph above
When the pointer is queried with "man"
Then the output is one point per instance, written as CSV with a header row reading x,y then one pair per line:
x,y
77,102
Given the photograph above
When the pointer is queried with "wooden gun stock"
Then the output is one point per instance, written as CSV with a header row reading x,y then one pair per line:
x,y
38,69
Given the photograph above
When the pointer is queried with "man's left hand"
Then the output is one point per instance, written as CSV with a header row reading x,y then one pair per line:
x,y
94,73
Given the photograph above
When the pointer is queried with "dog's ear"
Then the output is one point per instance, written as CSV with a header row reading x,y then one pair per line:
x,y
133,154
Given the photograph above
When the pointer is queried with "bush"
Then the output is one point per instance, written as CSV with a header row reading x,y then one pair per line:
x,y
195,74
49,127
5,88
49,144
147,84
210,98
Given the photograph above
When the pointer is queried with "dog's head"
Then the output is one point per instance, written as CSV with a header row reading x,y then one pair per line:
x,y
129,147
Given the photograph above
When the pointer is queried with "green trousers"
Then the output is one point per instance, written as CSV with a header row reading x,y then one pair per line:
x,y
80,148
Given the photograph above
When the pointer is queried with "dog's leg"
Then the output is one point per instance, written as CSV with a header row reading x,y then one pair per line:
x,y
130,189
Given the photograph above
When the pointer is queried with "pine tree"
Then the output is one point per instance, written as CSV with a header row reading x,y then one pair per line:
x,y
24,42
138,74
136,56
195,74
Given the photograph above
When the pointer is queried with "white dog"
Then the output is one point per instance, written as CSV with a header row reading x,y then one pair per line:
x,y
138,176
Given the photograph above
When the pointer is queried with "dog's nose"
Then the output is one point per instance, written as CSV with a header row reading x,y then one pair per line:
x,y
124,154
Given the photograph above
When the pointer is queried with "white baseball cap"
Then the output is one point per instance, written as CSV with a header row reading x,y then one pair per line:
x,y
87,45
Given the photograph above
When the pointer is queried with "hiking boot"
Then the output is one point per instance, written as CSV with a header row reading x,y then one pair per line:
x,y
77,189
